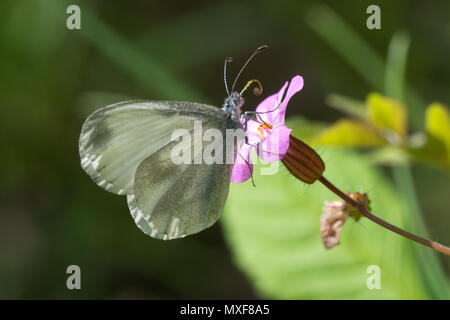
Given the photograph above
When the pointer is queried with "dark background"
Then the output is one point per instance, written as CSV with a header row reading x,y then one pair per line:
x,y
51,78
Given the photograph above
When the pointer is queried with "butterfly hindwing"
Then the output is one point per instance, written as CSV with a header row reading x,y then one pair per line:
x,y
175,200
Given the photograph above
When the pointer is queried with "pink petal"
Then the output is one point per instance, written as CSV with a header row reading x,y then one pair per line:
x,y
252,132
275,145
295,86
269,104
241,170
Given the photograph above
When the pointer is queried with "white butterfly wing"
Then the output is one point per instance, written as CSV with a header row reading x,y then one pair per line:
x,y
172,201
115,139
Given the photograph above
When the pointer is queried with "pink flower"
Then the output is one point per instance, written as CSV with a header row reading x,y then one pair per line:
x,y
268,134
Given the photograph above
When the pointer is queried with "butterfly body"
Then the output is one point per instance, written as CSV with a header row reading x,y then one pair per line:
x,y
232,106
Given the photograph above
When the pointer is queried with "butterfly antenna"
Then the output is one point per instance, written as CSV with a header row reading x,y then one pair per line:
x,y
227,60
257,91
245,64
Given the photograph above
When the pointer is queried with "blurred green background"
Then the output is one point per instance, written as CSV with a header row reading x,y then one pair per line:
x,y
268,243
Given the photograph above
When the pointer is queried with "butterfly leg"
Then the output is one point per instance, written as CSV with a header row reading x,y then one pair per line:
x,y
257,114
245,123
249,168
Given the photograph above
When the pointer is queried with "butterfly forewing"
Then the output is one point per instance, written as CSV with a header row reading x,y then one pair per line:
x,y
116,139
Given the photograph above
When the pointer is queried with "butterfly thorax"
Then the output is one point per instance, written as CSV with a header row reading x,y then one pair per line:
x,y
232,105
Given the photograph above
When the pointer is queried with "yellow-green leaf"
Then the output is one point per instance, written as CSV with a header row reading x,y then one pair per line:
x,y
437,124
387,113
350,133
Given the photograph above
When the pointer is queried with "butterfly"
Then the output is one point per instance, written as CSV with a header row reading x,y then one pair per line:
x,y
126,148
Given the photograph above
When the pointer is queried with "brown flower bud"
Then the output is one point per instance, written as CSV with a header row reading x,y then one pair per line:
x,y
302,161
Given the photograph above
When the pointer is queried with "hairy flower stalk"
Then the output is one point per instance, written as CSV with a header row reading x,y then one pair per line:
x,y
306,165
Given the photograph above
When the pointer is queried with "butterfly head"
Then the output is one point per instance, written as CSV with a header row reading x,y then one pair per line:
x,y
234,100
232,105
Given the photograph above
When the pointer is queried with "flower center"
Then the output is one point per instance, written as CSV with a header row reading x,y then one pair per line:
x,y
264,130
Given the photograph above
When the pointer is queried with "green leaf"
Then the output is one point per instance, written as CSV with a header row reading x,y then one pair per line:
x,y
350,133
436,150
350,106
274,233
347,42
396,64
437,124
431,268
306,129
387,113
389,155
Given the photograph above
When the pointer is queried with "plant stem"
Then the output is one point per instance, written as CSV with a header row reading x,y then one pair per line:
x,y
436,246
